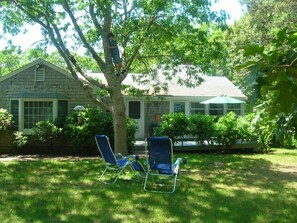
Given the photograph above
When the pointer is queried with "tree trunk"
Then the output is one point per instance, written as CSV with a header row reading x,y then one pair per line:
x,y
119,121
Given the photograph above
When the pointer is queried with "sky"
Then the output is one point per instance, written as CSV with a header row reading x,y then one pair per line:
x,y
232,7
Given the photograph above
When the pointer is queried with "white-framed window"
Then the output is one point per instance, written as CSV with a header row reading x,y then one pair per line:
x,y
179,107
27,112
197,108
216,109
236,108
36,111
39,74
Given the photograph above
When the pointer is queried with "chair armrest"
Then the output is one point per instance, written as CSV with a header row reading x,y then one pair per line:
x,y
175,166
132,157
118,155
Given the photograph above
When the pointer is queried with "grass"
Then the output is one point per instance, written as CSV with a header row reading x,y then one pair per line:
x,y
212,188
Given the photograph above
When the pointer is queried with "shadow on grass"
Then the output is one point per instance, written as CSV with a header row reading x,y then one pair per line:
x,y
212,188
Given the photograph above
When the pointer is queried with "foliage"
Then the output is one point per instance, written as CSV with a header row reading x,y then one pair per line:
x,y
131,131
258,26
273,79
173,125
46,131
202,127
81,128
5,120
247,130
285,131
149,32
273,72
6,63
19,139
227,133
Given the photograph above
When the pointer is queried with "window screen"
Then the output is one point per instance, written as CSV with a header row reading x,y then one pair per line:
x,y
36,111
134,109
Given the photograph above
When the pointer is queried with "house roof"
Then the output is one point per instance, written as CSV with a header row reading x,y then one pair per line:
x,y
212,86
37,62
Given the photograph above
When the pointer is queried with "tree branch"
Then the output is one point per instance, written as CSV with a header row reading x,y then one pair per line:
x,y
82,37
135,51
289,65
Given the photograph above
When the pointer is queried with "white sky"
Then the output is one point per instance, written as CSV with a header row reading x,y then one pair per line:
x,y
232,7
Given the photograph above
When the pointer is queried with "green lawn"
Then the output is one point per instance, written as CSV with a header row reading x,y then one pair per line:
x,y
212,188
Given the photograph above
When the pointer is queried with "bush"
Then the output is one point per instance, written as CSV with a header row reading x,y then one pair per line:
x,y
202,127
227,132
246,128
131,131
173,125
83,126
46,131
5,120
20,139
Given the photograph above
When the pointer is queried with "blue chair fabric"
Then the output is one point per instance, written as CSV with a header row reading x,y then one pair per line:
x,y
115,162
159,152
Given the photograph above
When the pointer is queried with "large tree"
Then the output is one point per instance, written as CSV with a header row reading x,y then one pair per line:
x,y
172,32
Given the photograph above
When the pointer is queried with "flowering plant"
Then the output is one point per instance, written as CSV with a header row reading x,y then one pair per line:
x,y
5,119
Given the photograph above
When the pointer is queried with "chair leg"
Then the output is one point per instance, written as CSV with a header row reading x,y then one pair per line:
x,y
160,191
116,178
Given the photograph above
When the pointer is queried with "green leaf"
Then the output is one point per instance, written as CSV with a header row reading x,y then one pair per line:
x,y
253,50
245,65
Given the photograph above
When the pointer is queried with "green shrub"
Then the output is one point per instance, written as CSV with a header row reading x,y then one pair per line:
x,y
246,128
202,127
227,132
131,131
5,120
20,139
173,125
81,128
46,131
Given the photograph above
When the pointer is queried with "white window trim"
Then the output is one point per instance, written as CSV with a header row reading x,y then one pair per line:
x,y
42,75
21,111
204,105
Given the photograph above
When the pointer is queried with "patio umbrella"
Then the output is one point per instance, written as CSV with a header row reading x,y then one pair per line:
x,y
222,99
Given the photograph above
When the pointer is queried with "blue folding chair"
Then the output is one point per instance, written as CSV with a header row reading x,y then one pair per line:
x,y
116,162
160,165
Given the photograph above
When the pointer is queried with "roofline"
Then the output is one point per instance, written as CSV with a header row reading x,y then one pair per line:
x,y
39,61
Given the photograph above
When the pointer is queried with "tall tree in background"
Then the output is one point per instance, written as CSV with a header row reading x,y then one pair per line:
x,y
150,32
258,26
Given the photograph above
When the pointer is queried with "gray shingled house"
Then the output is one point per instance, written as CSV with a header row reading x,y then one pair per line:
x,y
41,91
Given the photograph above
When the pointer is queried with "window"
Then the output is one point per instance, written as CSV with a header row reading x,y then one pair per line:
x,y
62,111
216,109
197,108
39,74
14,110
236,108
36,111
134,109
179,107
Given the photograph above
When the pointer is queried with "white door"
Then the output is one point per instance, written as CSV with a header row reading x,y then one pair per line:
x,y
135,110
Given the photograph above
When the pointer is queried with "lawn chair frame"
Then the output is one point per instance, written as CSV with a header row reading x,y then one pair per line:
x,y
116,162
159,152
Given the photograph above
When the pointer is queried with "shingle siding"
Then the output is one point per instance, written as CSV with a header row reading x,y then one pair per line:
x,y
55,82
